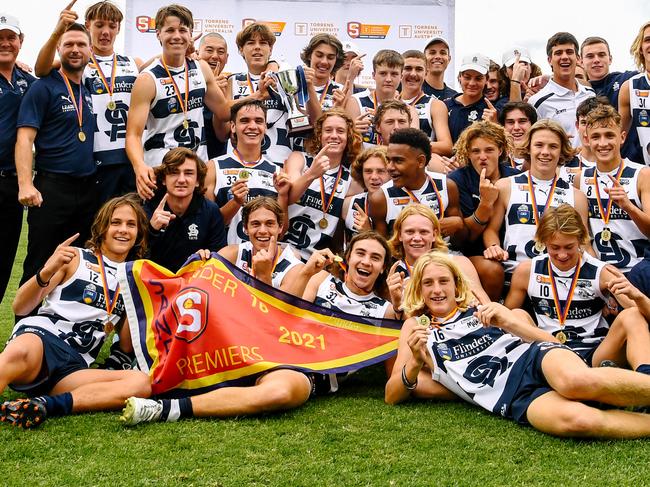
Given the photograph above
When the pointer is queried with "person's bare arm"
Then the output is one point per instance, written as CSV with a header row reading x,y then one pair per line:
x,y
518,286
45,61
624,106
28,195
144,91
440,121
215,99
377,211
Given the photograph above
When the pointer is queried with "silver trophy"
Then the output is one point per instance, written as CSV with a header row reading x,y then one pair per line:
x,y
292,85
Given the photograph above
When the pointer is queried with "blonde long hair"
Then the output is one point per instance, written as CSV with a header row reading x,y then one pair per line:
x,y
396,245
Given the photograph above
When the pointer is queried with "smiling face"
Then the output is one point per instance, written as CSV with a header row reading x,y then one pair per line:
x,y
181,180
214,51
262,225
492,86
365,264
374,174
174,37
484,154
417,235
438,290
413,74
563,250
103,34
605,142
438,57
563,60
74,50
256,52
545,150
516,123
391,120
335,132
472,83
121,234
250,126
10,44
596,60
405,165
322,61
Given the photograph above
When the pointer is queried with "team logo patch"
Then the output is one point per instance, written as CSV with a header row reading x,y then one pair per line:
x,y
642,93
172,105
523,214
473,115
444,351
544,307
190,310
193,232
643,118
90,294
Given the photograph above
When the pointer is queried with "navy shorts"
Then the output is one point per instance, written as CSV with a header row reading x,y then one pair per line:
x,y
59,361
533,383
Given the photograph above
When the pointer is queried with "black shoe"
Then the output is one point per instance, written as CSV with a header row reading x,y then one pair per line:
x,y
24,413
118,360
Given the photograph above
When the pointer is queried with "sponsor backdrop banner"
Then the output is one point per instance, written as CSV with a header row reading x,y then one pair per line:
x,y
381,24
212,325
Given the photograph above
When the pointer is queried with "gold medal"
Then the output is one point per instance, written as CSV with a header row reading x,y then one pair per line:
x,y
109,327
539,247
561,336
81,136
338,259
323,223
186,124
244,174
111,105
606,235
423,320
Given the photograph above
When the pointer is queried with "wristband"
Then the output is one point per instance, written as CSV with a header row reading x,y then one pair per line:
x,y
409,385
480,222
41,282
515,81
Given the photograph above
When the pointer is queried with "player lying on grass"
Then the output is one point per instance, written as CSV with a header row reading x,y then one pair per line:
x,y
492,357
49,354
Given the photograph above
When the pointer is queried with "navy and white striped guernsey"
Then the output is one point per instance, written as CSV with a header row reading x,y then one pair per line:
x,y
165,120
75,310
520,226
277,144
585,326
639,144
110,129
304,231
397,198
287,261
423,108
627,245
260,183
366,102
481,364
334,294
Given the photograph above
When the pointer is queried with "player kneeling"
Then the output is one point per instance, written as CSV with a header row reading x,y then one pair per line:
x,y
48,355
485,356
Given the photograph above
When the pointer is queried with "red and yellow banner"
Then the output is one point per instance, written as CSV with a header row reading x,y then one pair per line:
x,y
211,325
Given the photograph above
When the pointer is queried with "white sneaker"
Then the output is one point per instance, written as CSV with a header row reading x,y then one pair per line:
x,y
138,410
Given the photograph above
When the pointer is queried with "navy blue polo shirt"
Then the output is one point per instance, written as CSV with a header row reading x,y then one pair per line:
x,y
47,107
611,84
468,181
461,116
201,227
639,276
11,93
443,94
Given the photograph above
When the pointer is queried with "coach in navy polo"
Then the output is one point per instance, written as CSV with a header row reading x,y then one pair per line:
x,y
468,106
56,117
13,85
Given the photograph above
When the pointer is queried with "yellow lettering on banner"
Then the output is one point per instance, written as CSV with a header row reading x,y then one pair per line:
x,y
306,340
233,353
218,359
216,280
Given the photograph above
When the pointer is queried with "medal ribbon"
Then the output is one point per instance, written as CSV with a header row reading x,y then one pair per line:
x,y
409,269
324,94
417,98
563,312
606,214
177,92
78,107
326,207
110,305
241,160
438,322
250,83
531,190
110,88
415,199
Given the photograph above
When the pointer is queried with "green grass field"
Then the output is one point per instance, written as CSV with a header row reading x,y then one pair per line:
x,y
352,438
